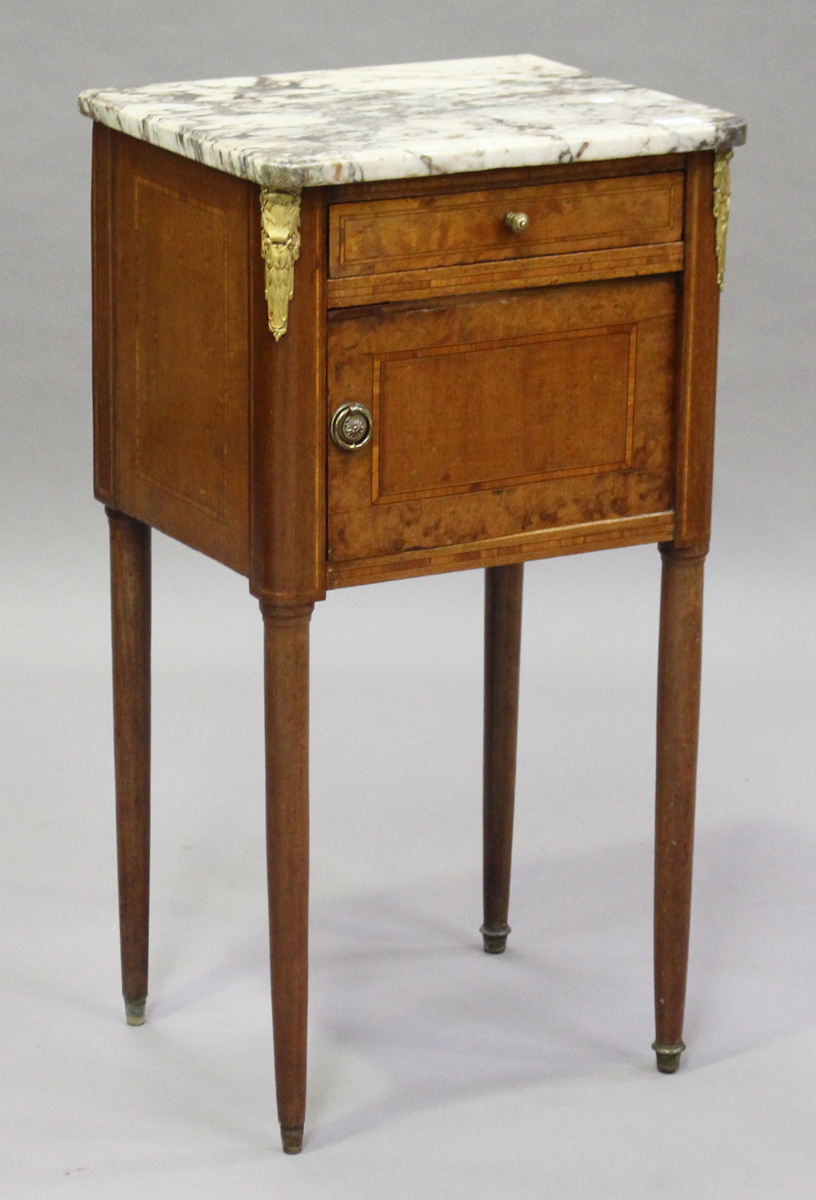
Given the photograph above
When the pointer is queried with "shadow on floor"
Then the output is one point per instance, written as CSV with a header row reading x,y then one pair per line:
x,y
399,980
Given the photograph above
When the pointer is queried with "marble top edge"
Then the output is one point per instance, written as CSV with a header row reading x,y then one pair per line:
x,y
317,128
430,75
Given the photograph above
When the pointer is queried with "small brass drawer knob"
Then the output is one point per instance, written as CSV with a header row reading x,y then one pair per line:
x,y
351,426
517,222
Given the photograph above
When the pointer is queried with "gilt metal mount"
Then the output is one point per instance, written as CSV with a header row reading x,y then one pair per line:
x,y
280,247
722,207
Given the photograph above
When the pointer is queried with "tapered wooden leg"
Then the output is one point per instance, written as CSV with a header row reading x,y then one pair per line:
x,y
503,591
130,611
678,712
286,640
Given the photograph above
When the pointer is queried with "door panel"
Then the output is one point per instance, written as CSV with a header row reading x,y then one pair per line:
x,y
461,418
501,414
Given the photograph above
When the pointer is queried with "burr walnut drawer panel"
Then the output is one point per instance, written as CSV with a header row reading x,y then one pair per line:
x,y
418,232
502,415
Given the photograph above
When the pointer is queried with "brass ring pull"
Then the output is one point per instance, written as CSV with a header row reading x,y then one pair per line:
x,y
517,222
351,426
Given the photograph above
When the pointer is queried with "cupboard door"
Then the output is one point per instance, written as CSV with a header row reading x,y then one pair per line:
x,y
500,415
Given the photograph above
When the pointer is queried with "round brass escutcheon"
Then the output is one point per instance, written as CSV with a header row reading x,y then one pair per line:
x,y
351,426
517,222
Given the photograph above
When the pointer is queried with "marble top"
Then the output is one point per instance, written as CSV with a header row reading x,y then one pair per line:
x,y
328,127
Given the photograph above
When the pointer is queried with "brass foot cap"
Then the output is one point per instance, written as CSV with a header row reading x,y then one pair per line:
x,y
135,1012
668,1057
291,1138
495,939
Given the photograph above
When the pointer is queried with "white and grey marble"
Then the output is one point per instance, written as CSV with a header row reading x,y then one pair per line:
x,y
326,127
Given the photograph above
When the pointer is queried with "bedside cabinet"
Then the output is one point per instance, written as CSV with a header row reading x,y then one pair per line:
x,y
363,325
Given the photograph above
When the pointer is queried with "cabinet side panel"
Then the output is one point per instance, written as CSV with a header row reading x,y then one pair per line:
x,y
182,390
697,377
104,316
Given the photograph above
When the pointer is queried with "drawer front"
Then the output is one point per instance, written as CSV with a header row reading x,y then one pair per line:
x,y
499,415
372,237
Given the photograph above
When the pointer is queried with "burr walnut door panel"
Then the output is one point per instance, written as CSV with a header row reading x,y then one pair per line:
x,y
496,416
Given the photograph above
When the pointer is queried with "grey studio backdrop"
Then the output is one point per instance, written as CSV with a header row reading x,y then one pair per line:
x,y
434,1070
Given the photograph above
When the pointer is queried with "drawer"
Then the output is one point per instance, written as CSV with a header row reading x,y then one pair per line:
x,y
501,416
420,232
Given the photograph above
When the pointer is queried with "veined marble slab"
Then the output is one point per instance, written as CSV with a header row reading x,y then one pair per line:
x,y
327,127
